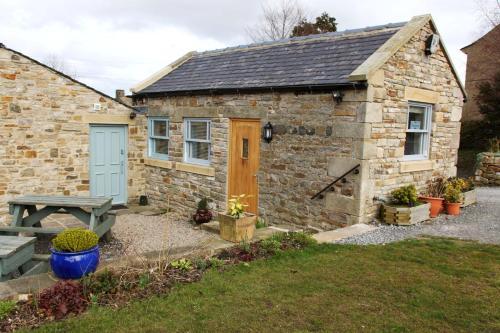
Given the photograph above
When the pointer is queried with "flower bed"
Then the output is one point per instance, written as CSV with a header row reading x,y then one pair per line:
x,y
118,287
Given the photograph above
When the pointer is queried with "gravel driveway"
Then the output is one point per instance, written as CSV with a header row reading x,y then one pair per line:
x,y
134,234
480,222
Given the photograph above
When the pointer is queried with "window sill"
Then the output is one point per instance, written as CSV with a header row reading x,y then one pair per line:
x,y
159,163
193,168
416,165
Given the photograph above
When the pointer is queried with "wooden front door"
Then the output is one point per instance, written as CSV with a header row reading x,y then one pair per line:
x,y
244,153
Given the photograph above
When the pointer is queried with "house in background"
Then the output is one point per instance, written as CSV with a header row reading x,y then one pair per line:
x,y
383,102
483,62
59,136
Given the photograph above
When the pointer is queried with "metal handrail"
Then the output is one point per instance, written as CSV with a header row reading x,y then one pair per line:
x,y
334,182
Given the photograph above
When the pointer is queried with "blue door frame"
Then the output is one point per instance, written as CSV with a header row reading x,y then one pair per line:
x,y
108,162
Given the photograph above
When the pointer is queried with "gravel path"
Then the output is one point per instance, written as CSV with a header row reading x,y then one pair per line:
x,y
134,234
480,222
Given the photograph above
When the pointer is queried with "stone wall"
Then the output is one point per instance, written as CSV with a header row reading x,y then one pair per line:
x,y
488,169
410,75
310,128
44,132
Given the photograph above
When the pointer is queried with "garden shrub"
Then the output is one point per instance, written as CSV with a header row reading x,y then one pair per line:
x,y
6,307
105,282
294,239
453,193
61,299
270,246
405,195
182,264
216,262
245,246
75,240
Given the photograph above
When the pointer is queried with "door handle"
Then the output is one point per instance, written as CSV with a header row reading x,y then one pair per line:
x,y
121,167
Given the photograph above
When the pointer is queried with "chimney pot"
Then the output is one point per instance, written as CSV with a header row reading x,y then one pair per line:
x,y
120,93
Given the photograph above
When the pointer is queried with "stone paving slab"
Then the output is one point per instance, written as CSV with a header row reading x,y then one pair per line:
x,y
337,234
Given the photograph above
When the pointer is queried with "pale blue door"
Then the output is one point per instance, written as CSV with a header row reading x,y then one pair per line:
x,y
108,162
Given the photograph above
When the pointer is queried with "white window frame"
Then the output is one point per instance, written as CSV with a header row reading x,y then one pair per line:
x,y
426,138
188,139
152,137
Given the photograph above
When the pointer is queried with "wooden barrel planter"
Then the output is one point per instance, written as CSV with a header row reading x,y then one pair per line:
x,y
406,215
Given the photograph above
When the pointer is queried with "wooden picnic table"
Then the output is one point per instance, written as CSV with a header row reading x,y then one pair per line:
x,y
93,211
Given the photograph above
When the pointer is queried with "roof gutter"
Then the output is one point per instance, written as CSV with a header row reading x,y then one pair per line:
x,y
294,88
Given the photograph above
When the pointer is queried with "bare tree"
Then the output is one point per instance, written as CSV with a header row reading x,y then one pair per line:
x,y
277,21
60,65
489,13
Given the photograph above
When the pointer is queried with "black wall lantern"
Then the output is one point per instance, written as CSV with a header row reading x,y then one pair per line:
x,y
268,132
337,96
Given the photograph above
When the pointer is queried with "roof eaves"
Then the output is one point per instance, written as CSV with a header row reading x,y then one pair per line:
x,y
2,46
304,87
162,72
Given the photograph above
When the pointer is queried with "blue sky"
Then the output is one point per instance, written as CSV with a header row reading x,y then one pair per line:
x,y
115,44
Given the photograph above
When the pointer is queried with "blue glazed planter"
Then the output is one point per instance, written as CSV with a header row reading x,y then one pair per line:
x,y
74,265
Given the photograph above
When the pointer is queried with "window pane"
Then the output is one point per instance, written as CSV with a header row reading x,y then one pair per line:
x,y
199,130
244,149
413,144
159,128
199,150
161,146
416,118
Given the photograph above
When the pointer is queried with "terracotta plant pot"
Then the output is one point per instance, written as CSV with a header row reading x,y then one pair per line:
x,y
436,205
453,208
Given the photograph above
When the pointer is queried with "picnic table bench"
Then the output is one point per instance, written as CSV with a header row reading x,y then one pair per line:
x,y
93,211
16,254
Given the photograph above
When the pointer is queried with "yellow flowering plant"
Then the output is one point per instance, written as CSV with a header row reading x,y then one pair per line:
x,y
236,207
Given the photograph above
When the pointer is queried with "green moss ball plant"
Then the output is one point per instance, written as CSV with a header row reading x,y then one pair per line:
x,y
75,240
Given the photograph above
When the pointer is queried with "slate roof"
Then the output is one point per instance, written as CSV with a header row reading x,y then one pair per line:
x,y
311,61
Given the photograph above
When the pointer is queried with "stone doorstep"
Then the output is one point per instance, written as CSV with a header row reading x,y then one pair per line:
x,y
338,234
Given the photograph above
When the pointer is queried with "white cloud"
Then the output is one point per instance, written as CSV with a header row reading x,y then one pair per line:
x,y
114,44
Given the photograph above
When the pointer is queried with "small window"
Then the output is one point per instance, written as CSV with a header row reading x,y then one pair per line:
x,y
418,131
244,149
158,137
197,141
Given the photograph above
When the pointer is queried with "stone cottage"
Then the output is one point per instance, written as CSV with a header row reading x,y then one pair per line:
x,y
59,136
382,102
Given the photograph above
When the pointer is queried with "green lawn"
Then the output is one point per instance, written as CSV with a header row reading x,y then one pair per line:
x,y
431,285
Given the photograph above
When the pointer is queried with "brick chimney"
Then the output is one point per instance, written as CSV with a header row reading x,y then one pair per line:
x,y
120,93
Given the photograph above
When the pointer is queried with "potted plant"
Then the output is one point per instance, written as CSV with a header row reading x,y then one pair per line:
x,y
237,225
74,253
405,208
453,197
434,195
467,188
203,213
